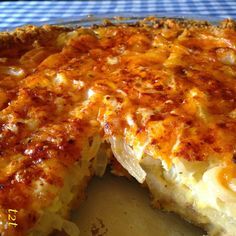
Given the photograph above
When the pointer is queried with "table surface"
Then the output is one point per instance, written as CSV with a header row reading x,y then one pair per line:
x,y
16,13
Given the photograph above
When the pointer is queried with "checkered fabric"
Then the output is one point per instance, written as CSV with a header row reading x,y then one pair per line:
x,y
15,13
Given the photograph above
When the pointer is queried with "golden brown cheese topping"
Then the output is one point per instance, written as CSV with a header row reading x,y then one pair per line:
x,y
168,90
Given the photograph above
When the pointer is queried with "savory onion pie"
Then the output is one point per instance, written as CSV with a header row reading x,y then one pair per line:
x,y
158,95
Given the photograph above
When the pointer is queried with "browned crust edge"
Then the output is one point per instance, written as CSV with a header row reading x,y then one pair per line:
x,y
29,33
189,214
26,35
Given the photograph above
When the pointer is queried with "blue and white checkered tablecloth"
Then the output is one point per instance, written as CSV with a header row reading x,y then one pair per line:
x,y
15,13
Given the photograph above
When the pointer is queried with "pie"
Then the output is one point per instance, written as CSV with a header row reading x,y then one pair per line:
x,y
154,99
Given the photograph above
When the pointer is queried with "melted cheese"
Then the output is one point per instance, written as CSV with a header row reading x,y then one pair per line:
x,y
166,91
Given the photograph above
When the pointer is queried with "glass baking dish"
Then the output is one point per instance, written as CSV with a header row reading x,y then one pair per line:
x,y
125,18
121,17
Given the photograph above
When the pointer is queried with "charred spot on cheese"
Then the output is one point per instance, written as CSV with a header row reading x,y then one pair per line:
x,y
234,157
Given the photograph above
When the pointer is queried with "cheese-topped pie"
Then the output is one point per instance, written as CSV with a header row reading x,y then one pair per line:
x,y
158,94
